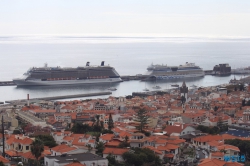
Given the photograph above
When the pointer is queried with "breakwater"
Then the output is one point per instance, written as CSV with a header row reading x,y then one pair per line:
x,y
7,83
60,97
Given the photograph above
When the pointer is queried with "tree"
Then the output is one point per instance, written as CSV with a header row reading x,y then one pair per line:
x,y
1,163
216,108
80,128
110,122
141,117
112,161
141,156
97,124
37,148
97,120
183,99
243,102
243,145
125,143
47,140
89,147
242,87
99,147
220,122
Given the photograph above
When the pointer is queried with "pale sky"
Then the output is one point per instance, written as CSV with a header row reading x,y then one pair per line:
x,y
209,18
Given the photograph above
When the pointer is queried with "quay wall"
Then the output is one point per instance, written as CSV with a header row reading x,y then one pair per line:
x,y
62,97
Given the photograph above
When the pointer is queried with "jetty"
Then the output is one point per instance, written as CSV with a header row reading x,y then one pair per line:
x,y
60,97
7,83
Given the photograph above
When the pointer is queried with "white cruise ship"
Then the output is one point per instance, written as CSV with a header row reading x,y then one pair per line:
x,y
68,76
174,72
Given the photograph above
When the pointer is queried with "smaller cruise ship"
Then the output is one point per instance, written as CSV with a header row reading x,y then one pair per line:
x,y
160,72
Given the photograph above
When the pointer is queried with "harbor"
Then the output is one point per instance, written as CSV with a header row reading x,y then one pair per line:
x,y
59,97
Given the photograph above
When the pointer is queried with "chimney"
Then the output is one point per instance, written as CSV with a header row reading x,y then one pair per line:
x,y
182,126
87,64
102,64
28,100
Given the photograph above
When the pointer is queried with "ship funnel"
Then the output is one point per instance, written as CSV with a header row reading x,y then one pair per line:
x,y
102,64
87,64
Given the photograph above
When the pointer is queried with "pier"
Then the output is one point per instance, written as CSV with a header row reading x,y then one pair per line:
x,y
60,97
7,83
208,72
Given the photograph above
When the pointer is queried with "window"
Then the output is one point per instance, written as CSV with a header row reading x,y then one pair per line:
x,y
27,147
183,132
47,163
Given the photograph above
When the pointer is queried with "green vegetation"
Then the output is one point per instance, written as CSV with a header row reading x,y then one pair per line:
x,y
140,157
244,103
110,122
99,147
141,117
112,161
79,128
212,130
243,145
237,87
47,140
125,143
1,163
37,148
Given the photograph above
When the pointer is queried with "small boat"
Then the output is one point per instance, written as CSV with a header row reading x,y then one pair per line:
x,y
156,87
175,85
193,86
146,89
112,89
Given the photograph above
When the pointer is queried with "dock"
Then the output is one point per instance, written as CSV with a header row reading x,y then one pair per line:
x,y
208,72
7,83
132,77
61,97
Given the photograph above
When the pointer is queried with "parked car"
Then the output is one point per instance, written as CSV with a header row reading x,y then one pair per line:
x,y
204,152
197,156
198,148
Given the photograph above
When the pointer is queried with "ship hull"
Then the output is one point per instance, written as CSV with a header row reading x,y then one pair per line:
x,y
23,82
168,77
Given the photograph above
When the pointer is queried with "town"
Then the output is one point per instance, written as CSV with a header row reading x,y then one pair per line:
x,y
201,126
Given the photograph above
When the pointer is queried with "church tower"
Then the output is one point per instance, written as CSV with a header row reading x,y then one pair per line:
x,y
184,90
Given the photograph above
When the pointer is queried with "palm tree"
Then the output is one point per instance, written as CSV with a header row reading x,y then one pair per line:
x,y
37,148
89,147
96,121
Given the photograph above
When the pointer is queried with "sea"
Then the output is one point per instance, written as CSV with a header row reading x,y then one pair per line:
x,y
128,55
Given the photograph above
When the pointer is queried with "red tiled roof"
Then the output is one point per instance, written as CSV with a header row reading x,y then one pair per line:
x,y
4,160
115,151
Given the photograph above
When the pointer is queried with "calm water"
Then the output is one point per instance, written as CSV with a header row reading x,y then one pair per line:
x,y
129,56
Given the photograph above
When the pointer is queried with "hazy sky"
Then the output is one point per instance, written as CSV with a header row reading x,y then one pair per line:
x,y
211,18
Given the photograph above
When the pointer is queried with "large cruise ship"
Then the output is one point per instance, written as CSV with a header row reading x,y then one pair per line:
x,y
67,76
174,72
